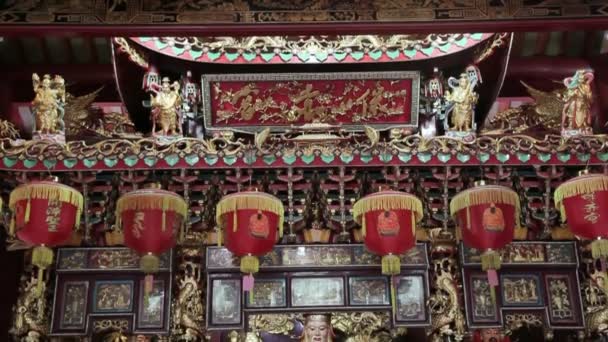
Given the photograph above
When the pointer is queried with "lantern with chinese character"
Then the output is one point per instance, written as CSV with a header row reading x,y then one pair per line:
x,y
150,219
583,202
487,216
250,221
45,214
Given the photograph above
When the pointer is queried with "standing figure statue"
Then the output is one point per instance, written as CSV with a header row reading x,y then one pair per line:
x,y
48,105
464,98
166,104
460,107
578,98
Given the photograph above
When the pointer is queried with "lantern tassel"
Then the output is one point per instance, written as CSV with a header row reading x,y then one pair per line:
x,y
490,262
148,284
391,264
28,209
42,257
11,227
393,297
363,226
149,263
599,248
250,264
220,234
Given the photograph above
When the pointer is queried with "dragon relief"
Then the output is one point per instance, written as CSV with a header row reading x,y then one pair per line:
x,y
543,115
596,298
30,314
444,304
187,308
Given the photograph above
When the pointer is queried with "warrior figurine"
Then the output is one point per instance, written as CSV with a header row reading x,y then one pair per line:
x,y
576,113
464,98
48,105
317,328
166,108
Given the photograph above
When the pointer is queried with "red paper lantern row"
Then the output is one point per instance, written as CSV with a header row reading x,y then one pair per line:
x,y
583,203
44,214
249,221
150,220
487,216
388,223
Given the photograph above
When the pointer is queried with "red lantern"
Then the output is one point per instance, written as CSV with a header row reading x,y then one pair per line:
x,y
44,215
150,220
487,216
250,220
388,225
583,202
388,220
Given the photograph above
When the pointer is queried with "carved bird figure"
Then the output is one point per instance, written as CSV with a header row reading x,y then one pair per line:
x,y
261,137
373,135
79,114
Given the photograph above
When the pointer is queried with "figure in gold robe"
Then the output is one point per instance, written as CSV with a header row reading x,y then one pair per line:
x,y
464,99
576,114
48,104
165,112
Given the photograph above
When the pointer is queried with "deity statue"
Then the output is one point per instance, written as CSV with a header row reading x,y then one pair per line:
x,y
48,105
576,113
317,328
463,98
166,112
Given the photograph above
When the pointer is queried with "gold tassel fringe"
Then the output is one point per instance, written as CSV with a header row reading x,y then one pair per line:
x,y
486,194
391,264
490,260
152,199
389,200
249,200
48,191
42,257
250,264
393,299
599,248
149,263
580,185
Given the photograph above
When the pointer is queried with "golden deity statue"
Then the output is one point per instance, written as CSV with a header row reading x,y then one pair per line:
x,y
464,99
576,113
165,108
317,328
48,105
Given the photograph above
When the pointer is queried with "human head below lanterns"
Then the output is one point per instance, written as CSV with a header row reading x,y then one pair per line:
x,y
317,328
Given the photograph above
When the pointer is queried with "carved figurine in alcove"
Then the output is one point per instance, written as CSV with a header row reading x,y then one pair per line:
x,y
461,99
317,328
166,111
578,98
48,107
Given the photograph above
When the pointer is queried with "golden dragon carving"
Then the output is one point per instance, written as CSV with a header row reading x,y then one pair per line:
x,y
447,318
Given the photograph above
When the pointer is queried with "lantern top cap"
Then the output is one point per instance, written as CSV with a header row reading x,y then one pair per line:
x,y
46,190
480,182
584,184
387,200
152,199
484,194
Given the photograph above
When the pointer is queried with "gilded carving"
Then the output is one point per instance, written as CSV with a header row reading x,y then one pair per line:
x,y
8,130
596,298
30,313
444,304
48,104
578,98
166,104
187,309
463,99
561,305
